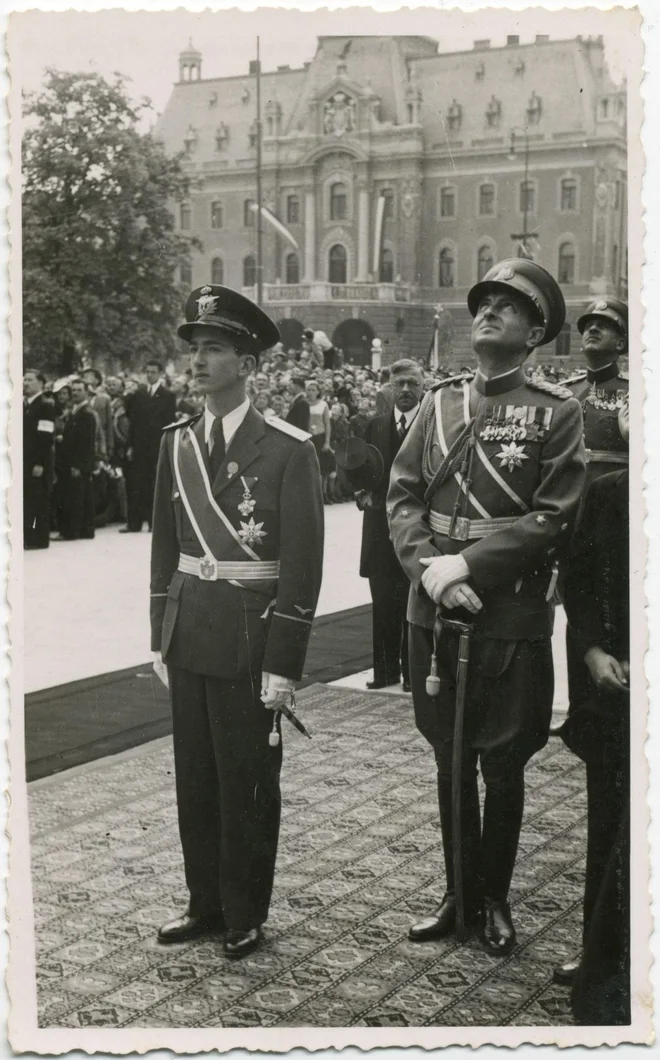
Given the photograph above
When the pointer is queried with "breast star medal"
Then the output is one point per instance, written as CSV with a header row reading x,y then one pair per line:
x,y
248,504
512,456
251,533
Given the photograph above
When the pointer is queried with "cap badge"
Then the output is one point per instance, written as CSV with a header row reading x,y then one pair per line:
x,y
601,304
505,274
206,303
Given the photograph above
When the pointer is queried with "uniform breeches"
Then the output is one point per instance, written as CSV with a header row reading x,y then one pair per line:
x,y
36,511
228,795
507,716
389,627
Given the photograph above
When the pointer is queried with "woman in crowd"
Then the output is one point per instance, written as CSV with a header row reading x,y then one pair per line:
x,y
319,425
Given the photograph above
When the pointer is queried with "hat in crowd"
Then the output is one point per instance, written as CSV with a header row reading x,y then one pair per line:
x,y
213,306
533,282
362,463
611,309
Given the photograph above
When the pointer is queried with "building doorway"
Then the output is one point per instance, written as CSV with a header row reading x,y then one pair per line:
x,y
354,338
291,333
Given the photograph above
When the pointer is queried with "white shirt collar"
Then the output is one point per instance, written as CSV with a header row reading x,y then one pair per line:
x,y
34,397
230,423
153,387
408,416
502,375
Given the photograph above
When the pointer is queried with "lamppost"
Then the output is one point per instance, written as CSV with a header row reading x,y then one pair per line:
x,y
522,237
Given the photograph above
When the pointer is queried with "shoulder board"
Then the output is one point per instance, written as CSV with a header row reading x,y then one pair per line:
x,y
462,377
287,428
579,377
182,423
558,390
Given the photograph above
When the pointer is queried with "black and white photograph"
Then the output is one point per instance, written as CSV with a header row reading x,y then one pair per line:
x,y
328,703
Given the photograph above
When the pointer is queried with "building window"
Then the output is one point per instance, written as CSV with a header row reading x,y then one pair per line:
x,y
447,202
217,214
252,134
604,110
454,115
493,113
388,207
248,213
337,271
615,264
566,264
446,267
568,194
221,135
485,260
527,197
185,215
563,342
487,200
534,109
249,271
292,268
185,272
386,272
293,209
480,72
217,271
338,203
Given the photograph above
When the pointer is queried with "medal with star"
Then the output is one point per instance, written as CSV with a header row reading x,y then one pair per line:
x,y
512,456
251,533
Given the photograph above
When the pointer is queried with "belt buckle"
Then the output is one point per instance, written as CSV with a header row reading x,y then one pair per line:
x,y
208,569
461,528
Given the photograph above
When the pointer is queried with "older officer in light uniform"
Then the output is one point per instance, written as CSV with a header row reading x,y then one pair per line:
x,y
483,493
235,575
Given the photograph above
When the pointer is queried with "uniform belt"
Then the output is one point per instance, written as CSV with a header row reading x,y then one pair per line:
x,y
212,570
467,529
605,456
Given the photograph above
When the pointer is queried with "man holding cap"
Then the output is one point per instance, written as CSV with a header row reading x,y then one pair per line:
x,y
236,569
483,494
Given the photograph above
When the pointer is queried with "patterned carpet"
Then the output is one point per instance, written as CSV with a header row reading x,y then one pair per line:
x,y
360,859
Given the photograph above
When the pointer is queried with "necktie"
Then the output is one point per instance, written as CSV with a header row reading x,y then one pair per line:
x,y
217,454
402,429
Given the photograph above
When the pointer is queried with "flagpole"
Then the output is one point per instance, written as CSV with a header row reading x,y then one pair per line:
x,y
260,277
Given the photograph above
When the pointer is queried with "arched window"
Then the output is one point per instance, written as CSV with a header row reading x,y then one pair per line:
x,y
386,273
185,215
568,194
446,267
292,268
566,264
337,264
217,271
338,201
448,201
185,273
249,271
293,209
217,215
485,260
248,213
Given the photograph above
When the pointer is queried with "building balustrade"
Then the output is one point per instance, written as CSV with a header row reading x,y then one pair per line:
x,y
324,291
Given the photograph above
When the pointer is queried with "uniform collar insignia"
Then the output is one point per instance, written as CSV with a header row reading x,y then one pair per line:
x,y
602,375
501,384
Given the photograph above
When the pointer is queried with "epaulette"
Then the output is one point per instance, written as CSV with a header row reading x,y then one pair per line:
x,y
287,428
579,377
183,423
463,376
557,390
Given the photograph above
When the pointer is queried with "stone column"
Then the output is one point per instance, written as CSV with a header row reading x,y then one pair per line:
x,y
363,235
310,237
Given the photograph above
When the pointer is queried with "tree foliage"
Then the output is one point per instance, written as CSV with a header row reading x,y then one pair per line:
x,y
100,251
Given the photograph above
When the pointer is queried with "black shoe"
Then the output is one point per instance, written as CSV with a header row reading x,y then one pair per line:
x,y
442,923
498,934
129,530
407,686
564,974
373,685
556,729
240,943
189,927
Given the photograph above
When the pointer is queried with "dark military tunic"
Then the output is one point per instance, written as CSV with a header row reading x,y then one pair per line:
x,y
601,393
38,451
218,634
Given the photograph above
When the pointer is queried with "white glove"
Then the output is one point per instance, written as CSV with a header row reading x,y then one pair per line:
x,y
441,572
275,690
160,668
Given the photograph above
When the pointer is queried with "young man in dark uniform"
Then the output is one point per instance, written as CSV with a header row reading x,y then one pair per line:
x,y
483,494
38,460
236,569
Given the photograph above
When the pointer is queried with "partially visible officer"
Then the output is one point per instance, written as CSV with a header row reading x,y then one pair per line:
x,y
38,460
483,493
236,568
149,410
387,581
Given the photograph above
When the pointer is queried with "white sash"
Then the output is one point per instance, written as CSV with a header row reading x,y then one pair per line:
x,y
445,448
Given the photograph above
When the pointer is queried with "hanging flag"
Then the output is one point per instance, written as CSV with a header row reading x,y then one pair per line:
x,y
275,222
378,234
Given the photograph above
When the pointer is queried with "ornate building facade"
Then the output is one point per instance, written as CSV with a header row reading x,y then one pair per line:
x,y
400,173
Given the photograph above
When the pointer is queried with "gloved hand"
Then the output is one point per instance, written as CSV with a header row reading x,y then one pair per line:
x,y
275,690
441,572
160,668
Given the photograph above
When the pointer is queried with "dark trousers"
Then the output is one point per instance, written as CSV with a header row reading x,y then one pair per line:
x,y
507,717
36,512
140,486
76,515
228,795
389,594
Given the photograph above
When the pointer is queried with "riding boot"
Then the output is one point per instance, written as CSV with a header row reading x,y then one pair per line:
x,y
503,810
471,842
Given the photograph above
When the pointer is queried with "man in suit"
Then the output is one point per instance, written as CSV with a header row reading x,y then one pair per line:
x,y
150,409
237,555
101,404
298,413
78,460
483,493
38,460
